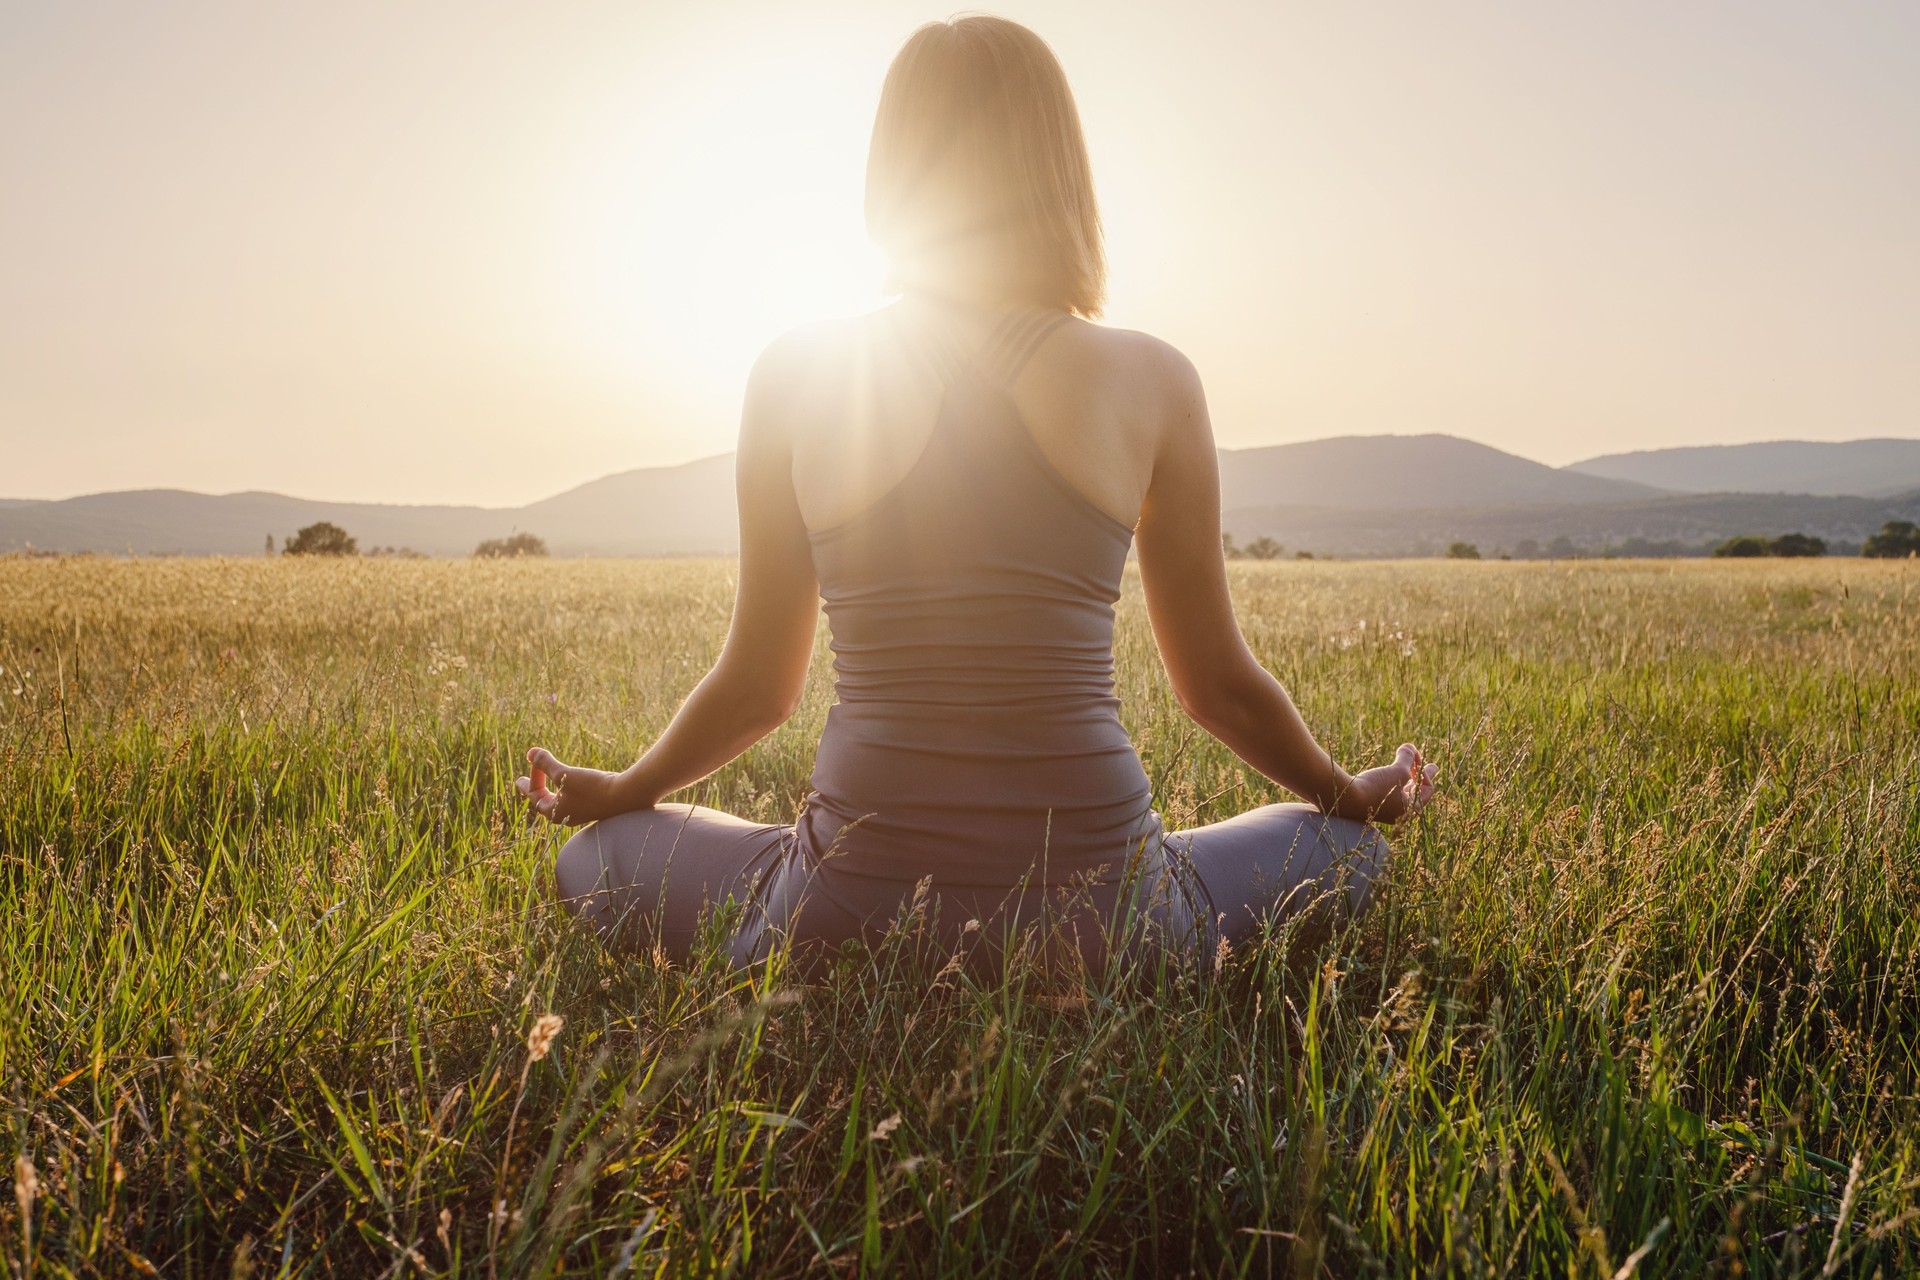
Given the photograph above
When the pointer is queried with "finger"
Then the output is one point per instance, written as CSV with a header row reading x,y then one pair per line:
x,y
537,758
1424,788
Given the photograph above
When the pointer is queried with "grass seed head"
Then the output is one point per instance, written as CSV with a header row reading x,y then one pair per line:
x,y
540,1039
26,1183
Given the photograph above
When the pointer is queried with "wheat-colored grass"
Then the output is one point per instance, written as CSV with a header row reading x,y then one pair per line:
x,y
282,992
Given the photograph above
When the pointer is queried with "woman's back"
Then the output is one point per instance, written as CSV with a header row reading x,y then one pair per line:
x,y
962,485
976,736
859,398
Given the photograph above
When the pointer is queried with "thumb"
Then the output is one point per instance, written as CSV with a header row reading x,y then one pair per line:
x,y
543,765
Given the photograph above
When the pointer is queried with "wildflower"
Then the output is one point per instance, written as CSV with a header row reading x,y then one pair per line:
x,y
540,1039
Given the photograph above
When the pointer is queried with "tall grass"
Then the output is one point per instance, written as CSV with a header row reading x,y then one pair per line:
x,y
1644,992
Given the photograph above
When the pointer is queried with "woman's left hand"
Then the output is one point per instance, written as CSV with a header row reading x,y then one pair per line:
x,y
1395,792
566,794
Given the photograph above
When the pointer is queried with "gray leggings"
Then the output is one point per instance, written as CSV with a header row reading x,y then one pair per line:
x,y
646,879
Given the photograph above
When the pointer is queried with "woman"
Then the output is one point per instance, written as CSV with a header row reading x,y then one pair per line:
x,y
960,476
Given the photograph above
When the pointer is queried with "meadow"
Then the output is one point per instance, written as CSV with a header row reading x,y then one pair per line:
x,y
281,978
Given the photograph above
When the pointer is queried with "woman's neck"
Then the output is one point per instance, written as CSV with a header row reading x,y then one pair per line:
x,y
967,307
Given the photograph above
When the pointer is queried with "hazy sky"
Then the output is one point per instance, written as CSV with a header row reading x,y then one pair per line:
x,y
480,252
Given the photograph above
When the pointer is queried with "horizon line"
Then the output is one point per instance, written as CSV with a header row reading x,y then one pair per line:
x,y
710,457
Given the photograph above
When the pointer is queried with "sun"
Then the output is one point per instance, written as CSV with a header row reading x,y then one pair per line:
x,y
706,217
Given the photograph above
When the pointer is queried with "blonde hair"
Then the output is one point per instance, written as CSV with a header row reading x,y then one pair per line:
x,y
977,177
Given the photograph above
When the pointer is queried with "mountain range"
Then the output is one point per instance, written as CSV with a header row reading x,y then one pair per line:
x,y
1350,495
1862,468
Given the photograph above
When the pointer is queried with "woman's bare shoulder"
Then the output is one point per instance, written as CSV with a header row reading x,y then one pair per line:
x,y
813,350
1139,364
802,378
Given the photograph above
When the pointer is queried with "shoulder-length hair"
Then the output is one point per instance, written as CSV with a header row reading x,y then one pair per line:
x,y
977,177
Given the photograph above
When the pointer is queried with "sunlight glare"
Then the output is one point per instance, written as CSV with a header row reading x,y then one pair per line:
x,y
703,218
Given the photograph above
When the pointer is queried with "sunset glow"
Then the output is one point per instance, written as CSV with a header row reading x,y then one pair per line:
x,y
688,247
370,253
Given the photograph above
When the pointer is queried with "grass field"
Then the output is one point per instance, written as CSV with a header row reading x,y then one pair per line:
x,y
1644,991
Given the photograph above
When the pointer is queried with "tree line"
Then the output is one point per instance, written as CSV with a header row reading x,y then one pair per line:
x,y
1896,540
325,538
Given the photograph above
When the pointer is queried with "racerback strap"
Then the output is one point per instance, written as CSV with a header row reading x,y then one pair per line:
x,y
943,351
1015,341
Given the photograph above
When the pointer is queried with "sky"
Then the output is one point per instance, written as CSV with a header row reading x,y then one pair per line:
x,y
480,252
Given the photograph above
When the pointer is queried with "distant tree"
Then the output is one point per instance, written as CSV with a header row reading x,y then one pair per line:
x,y
322,539
1562,548
269,544
1896,540
1303,555
1264,548
1797,545
1527,549
1747,547
1228,548
520,544
1463,551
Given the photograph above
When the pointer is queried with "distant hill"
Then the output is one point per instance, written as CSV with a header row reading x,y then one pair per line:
x,y
1695,521
684,510
1376,472
1354,495
1867,468
681,510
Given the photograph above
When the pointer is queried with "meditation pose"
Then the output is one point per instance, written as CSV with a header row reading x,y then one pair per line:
x,y
960,477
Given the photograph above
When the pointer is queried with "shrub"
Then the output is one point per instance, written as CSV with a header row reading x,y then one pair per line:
x,y
1746,546
1797,544
1463,551
1264,548
323,538
520,544
1896,540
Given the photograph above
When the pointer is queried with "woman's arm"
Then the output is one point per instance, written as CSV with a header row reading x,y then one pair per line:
x,y
1215,676
762,669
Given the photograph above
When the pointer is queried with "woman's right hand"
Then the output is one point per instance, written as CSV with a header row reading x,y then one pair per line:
x,y
569,796
1392,792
